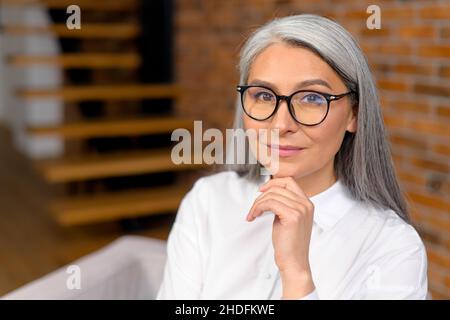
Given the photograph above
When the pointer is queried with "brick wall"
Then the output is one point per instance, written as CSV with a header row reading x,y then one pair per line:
x,y
410,58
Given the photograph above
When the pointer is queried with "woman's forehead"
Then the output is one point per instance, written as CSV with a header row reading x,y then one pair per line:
x,y
281,65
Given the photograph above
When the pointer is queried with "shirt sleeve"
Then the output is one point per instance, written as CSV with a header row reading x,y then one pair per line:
x,y
182,272
400,274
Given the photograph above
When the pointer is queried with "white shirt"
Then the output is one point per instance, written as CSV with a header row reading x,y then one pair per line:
x,y
356,251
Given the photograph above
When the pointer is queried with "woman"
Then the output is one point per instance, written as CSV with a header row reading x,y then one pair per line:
x,y
331,222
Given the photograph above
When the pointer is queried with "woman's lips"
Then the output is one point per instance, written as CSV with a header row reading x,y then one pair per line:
x,y
285,150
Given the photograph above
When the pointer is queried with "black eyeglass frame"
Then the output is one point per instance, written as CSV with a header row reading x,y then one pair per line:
x,y
329,97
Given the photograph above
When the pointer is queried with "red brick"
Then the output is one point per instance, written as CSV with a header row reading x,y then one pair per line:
x,y
444,71
401,12
431,201
408,141
440,223
396,49
447,281
431,165
422,69
412,177
435,12
395,121
392,85
429,126
437,293
383,32
416,31
435,90
443,111
443,149
397,158
435,275
403,68
356,14
445,32
438,257
435,50
408,106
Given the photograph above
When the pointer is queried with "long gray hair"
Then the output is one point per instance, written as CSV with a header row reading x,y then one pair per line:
x,y
363,163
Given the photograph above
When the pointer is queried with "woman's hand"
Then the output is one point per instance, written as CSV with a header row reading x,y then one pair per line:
x,y
291,233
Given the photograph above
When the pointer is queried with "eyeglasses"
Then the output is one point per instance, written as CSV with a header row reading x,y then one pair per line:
x,y
307,107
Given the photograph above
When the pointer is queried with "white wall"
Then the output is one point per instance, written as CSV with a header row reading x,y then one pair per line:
x,y
19,114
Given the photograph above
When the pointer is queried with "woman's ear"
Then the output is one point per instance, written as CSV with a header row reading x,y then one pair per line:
x,y
352,123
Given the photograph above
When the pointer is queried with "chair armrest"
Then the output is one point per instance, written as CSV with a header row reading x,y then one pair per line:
x,y
131,267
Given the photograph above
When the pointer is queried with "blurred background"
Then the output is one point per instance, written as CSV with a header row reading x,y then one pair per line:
x,y
86,115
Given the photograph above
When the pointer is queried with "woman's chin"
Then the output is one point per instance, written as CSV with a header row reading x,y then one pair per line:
x,y
285,171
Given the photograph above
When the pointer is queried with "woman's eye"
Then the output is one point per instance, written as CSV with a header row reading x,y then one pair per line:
x,y
264,96
313,98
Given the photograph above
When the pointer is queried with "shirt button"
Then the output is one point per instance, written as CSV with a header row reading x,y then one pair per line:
x,y
268,276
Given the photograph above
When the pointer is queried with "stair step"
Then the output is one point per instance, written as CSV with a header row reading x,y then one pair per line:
x,y
80,60
88,30
112,206
111,165
104,92
113,128
103,5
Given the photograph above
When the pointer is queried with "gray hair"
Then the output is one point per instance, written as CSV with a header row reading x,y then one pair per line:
x,y
363,163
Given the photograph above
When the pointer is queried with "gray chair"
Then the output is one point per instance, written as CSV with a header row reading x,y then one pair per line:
x,y
131,267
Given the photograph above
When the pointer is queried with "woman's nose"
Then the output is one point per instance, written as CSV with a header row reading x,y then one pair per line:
x,y
283,120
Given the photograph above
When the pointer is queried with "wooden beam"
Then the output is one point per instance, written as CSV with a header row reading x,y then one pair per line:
x,y
104,92
101,5
80,60
113,128
88,30
103,166
112,206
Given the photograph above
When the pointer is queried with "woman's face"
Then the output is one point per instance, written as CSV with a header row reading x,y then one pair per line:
x,y
286,69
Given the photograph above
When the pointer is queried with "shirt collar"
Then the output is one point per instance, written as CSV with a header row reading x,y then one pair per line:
x,y
330,205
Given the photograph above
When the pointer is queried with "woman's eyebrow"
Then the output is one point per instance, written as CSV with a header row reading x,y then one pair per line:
x,y
299,85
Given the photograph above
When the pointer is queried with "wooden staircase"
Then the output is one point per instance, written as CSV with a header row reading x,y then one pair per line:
x,y
101,5
92,30
87,164
80,60
113,128
117,205
110,165
104,92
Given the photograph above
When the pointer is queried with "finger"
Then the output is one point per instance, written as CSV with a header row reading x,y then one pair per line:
x,y
287,183
271,195
285,192
280,209
292,198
